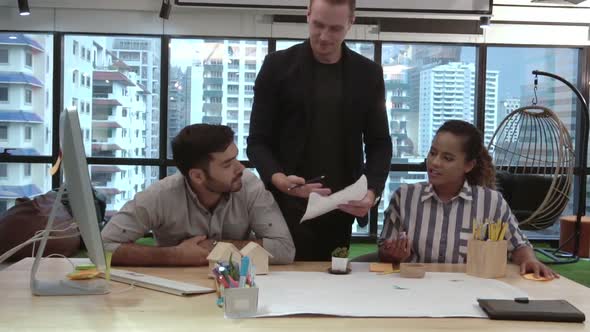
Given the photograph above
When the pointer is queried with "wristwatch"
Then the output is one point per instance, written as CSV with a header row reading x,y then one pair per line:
x,y
377,200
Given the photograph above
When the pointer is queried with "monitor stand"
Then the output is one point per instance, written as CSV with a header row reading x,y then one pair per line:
x,y
63,286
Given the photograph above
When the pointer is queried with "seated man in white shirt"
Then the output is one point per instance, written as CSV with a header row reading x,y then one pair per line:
x,y
213,198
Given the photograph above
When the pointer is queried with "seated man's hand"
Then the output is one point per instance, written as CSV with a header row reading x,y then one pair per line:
x,y
397,251
359,208
538,268
295,186
193,251
207,244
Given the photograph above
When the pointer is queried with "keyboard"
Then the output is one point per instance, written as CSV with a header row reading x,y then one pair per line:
x,y
157,283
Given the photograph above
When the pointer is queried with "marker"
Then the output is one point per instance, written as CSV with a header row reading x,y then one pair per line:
x,y
244,267
221,280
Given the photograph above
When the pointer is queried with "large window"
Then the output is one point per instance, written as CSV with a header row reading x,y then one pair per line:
x,y
203,73
114,81
366,49
511,67
23,87
112,102
426,85
115,91
22,180
120,183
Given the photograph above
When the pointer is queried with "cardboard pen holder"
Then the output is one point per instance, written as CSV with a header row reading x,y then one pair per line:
x,y
487,259
240,302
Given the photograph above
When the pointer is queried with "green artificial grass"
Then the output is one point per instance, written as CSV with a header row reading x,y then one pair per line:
x,y
359,249
578,272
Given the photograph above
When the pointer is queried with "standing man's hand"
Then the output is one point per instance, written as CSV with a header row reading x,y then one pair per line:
x,y
192,251
284,183
359,208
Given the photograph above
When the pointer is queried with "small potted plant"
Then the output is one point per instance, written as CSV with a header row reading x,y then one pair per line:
x,y
340,259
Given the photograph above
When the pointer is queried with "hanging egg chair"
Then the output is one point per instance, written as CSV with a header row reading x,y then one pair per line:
x,y
534,158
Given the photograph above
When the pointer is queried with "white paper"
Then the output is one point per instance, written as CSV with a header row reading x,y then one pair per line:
x,y
368,294
318,204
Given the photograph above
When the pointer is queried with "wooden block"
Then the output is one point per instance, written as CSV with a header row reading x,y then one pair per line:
x,y
412,270
487,259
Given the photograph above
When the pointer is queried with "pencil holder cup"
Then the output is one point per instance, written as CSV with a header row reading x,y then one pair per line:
x,y
241,302
486,259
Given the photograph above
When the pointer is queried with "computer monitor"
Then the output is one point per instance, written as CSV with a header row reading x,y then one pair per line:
x,y
77,182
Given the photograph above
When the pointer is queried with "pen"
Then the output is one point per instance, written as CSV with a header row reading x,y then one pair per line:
x,y
252,275
314,180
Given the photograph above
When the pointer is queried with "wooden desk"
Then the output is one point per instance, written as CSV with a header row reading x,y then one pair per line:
x,y
146,310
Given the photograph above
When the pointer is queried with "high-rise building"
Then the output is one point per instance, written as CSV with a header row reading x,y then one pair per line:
x,y
142,55
25,113
447,92
112,106
508,106
222,85
178,102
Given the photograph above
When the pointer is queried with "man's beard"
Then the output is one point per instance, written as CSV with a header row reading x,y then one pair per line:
x,y
219,187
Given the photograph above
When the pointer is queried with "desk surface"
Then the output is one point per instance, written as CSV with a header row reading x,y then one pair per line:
x,y
140,309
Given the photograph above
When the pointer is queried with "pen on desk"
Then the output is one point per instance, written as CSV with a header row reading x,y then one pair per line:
x,y
314,180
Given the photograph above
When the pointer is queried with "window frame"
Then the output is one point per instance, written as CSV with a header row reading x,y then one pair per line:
x,y
5,129
28,55
7,88
7,50
28,96
3,170
27,170
28,133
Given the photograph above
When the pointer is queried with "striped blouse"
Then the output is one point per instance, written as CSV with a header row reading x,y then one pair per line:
x,y
439,231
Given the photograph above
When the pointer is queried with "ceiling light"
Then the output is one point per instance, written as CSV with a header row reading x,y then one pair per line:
x,y
23,8
484,22
165,9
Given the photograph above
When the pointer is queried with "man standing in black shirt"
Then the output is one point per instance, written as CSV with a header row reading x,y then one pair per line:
x,y
315,104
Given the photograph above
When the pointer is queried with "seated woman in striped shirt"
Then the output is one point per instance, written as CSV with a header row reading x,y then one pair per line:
x,y
431,221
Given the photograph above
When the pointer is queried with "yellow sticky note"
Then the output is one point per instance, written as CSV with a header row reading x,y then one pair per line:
x,y
83,274
531,276
382,267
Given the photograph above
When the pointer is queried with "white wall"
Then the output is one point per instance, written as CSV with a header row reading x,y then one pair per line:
x,y
141,17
